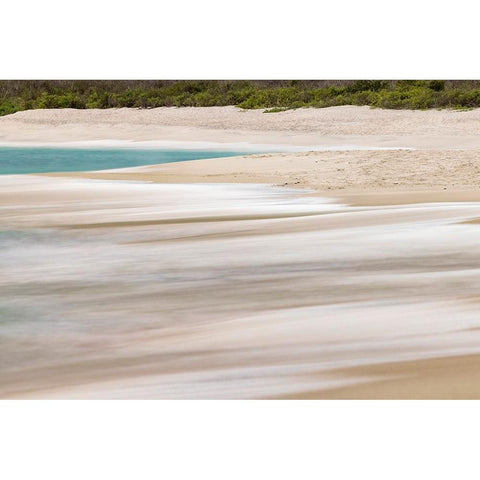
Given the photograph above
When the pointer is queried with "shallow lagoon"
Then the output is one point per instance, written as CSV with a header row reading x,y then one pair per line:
x,y
18,160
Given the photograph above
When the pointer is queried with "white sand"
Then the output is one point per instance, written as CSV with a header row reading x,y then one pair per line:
x,y
335,126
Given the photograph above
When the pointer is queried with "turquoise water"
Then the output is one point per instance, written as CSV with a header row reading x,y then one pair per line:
x,y
15,160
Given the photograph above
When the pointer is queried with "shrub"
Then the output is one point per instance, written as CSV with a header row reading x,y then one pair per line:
x,y
272,95
437,85
367,85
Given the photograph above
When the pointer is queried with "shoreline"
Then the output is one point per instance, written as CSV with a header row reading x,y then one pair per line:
x,y
362,177
245,147
338,151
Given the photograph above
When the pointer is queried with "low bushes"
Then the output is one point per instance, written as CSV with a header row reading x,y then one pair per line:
x,y
270,95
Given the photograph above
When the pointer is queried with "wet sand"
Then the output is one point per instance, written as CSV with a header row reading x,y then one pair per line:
x,y
456,377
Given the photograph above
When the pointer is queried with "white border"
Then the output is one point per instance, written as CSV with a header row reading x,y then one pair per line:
x,y
244,440
249,39
238,440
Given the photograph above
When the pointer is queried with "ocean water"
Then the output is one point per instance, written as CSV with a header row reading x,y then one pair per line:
x,y
226,299
17,160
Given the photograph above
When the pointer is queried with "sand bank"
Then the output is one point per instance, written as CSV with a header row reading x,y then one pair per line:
x,y
355,176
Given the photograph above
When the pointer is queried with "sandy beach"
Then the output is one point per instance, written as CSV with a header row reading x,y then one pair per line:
x,y
327,127
444,145
304,274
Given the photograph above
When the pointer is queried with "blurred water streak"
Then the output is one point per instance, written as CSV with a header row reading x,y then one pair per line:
x,y
119,290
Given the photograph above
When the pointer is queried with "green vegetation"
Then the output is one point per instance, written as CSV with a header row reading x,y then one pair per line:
x,y
271,95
